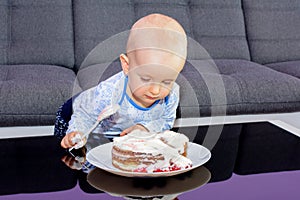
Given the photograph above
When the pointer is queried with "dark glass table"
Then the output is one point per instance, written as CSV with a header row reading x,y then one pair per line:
x,y
38,166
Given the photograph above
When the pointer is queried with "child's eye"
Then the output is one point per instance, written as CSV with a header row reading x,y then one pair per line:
x,y
167,82
145,79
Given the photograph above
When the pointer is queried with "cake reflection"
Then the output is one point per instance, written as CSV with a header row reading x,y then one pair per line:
x,y
148,188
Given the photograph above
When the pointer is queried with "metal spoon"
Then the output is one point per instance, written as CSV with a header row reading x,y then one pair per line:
x,y
106,112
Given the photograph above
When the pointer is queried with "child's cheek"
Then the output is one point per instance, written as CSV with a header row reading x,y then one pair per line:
x,y
136,84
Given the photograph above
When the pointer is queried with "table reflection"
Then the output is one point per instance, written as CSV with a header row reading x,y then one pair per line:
x,y
148,188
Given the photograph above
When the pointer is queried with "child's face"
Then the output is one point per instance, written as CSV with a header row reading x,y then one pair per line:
x,y
151,75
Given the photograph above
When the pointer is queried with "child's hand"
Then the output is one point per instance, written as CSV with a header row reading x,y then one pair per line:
x,y
135,127
68,140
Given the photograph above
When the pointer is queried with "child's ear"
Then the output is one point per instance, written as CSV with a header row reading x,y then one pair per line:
x,y
125,63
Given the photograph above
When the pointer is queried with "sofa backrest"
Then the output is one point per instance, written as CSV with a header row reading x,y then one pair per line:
x,y
217,25
36,32
273,29
63,32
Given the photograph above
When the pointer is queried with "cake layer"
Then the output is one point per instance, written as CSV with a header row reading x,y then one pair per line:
x,y
150,152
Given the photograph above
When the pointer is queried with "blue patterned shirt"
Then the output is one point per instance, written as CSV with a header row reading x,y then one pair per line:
x,y
88,105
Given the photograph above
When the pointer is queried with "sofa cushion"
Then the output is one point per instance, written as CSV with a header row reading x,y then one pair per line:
x,y
220,87
219,27
249,88
262,90
204,91
31,94
290,67
273,30
36,32
98,21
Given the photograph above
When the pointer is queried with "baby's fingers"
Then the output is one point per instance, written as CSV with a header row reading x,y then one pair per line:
x,y
126,131
67,142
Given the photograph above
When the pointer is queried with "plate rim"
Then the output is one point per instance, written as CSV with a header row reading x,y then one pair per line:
x,y
91,158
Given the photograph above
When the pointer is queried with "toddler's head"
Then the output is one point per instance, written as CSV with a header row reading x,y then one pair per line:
x,y
156,53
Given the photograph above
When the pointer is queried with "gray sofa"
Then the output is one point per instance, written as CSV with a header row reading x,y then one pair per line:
x,y
252,46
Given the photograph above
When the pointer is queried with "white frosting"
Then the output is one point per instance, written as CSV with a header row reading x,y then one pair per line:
x,y
175,140
169,144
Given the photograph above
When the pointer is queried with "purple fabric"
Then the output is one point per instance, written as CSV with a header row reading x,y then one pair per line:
x,y
274,186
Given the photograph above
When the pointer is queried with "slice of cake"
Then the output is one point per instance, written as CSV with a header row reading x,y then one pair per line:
x,y
147,152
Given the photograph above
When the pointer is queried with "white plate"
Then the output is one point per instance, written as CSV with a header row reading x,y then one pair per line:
x,y
101,158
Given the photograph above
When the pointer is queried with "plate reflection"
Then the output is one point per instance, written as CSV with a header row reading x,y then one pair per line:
x,y
148,188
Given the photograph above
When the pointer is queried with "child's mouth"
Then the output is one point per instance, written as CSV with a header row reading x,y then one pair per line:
x,y
151,98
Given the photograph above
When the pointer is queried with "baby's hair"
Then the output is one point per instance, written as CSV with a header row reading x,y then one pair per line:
x,y
157,31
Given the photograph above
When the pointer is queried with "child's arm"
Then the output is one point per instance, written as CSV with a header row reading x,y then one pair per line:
x,y
86,108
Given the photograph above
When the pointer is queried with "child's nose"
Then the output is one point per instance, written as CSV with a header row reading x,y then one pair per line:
x,y
155,88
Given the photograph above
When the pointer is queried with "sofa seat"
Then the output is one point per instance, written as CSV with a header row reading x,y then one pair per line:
x,y
228,87
249,89
288,67
31,94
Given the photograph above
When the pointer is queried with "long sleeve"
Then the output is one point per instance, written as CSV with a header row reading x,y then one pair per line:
x,y
89,104
86,110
